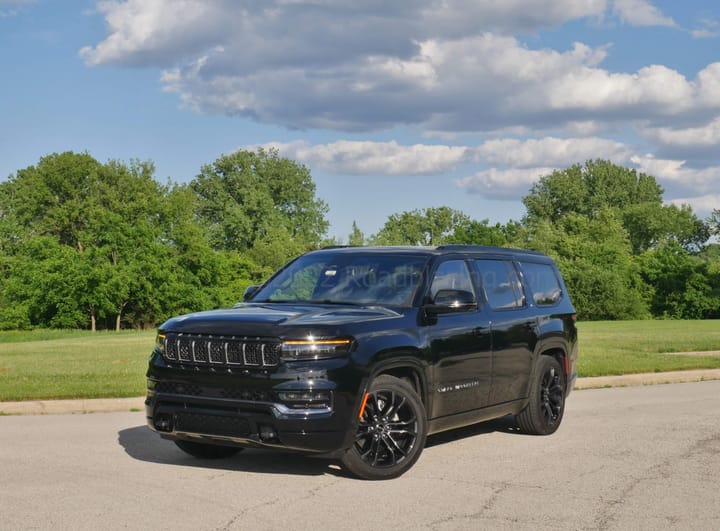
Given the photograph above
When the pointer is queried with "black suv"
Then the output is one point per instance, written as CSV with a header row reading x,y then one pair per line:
x,y
361,352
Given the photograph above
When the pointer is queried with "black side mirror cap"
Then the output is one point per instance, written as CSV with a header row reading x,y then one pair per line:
x,y
249,292
452,300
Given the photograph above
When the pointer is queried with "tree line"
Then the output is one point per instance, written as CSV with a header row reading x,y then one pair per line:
x,y
85,244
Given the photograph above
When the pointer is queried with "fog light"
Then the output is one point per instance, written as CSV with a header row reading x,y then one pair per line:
x,y
163,423
306,399
267,433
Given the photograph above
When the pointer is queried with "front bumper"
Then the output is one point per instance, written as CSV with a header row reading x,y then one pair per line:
x,y
247,409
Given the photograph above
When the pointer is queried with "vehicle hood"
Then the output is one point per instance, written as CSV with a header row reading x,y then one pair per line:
x,y
276,319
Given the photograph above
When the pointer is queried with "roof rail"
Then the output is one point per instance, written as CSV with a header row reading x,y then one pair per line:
x,y
486,248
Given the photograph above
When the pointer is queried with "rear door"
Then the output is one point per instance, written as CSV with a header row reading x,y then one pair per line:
x,y
513,328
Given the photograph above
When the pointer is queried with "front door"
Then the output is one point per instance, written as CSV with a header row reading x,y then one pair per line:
x,y
461,348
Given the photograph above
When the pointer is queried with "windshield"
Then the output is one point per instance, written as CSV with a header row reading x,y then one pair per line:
x,y
339,278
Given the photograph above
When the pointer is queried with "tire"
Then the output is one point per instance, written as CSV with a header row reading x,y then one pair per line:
x,y
207,451
391,433
546,406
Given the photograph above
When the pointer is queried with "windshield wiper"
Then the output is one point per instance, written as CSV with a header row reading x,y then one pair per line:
x,y
281,301
314,301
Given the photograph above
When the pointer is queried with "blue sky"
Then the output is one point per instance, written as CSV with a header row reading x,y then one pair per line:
x,y
392,105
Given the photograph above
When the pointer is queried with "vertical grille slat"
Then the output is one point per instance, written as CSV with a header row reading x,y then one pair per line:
x,y
184,350
234,353
171,349
252,354
222,351
217,351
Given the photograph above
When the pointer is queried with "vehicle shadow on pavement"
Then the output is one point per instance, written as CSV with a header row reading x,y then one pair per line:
x,y
505,424
144,445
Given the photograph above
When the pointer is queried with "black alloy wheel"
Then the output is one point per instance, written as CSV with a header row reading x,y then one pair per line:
x,y
546,406
391,431
552,393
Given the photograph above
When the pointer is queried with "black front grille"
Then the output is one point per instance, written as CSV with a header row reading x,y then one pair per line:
x,y
222,351
248,394
176,388
212,424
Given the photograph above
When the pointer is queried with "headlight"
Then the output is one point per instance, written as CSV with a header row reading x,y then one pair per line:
x,y
160,342
314,349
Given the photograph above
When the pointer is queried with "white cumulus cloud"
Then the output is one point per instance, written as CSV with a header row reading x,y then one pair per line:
x,y
641,13
480,83
709,29
550,151
502,184
374,158
156,32
392,158
446,67
678,178
703,204
366,65
702,141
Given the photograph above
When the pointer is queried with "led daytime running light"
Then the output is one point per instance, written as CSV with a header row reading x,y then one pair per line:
x,y
318,342
296,349
160,342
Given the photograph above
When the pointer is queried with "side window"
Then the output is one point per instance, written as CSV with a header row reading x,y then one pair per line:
x,y
500,284
543,283
451,275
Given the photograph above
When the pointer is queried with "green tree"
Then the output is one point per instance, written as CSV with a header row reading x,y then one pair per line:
x,y
85,241
356,237
650,225
482,233
606,205
53,198
587,189
684,286
594,256
430,226
256,199
713,222
637,197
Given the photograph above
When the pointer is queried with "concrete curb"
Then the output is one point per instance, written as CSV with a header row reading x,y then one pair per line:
x,y
87,405
107,405
651,378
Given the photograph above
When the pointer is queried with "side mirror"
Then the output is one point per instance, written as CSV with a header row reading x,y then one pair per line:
x,y
250,291
452,300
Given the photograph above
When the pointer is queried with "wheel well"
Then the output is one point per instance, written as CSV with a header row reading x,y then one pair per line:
x,y
409,375
558,354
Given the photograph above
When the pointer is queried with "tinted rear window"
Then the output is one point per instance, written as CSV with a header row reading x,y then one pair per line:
x,y
500,284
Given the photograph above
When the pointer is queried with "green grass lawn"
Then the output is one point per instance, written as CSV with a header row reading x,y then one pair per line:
x,y
45,364
73,364
627,347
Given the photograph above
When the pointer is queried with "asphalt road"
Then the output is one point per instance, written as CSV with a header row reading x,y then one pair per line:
x,y
624,458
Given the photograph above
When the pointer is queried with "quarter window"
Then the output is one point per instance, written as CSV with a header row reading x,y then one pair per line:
x,y
543,283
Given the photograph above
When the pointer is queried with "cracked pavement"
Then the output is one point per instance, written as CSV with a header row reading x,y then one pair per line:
x,y
624,458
